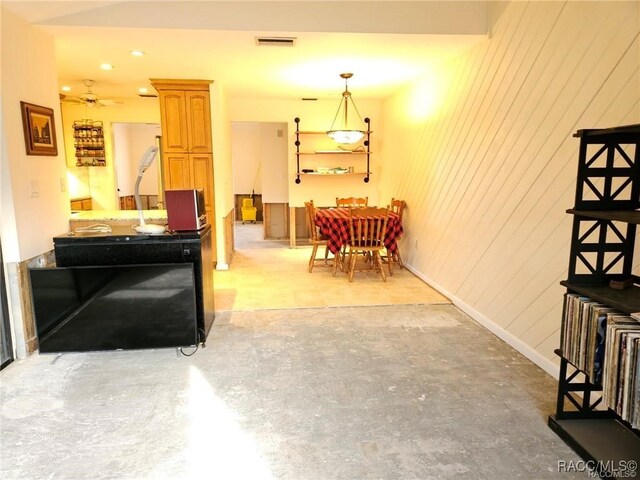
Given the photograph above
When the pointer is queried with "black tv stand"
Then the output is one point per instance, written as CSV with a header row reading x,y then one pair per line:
x,y
123,246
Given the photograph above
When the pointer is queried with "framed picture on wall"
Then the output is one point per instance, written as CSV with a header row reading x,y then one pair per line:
x,y
39,130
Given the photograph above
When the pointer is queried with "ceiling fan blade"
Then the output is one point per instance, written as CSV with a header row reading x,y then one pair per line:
x,y
108,102
75,100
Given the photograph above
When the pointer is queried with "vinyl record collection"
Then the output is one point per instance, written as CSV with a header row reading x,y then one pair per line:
x,y
605,344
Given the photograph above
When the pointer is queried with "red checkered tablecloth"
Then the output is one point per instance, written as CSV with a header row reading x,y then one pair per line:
x,y
334,225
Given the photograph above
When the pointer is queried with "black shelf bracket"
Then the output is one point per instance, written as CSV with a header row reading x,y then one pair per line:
x,y
297,120
570,382
367,143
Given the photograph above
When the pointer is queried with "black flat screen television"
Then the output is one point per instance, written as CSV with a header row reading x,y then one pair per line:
x,y
85,308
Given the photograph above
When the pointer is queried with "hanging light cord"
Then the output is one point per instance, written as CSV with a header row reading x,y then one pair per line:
x,y
346,96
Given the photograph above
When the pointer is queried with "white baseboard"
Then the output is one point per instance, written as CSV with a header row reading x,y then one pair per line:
x,y
543,362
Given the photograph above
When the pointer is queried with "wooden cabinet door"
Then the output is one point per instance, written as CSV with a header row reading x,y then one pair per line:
x,y
173,111
202,168
198,121
176,171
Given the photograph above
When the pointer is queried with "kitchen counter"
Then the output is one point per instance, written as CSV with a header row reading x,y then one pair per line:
x,y
115,218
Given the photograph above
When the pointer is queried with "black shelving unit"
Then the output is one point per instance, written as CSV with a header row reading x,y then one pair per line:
x,y
605,219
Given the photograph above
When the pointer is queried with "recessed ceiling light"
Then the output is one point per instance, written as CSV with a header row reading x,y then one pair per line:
x,y
137,53
65,88
143,90
106,66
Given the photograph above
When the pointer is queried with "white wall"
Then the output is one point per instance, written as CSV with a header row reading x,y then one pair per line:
x,y
483,154
141,137
121,159
29,74
245,154
274,162
316,116
260,160
222,166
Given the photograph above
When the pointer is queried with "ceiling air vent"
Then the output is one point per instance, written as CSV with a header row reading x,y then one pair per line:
x,y
276,41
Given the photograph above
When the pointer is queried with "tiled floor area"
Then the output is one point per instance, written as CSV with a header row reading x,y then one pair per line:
x,y
268,274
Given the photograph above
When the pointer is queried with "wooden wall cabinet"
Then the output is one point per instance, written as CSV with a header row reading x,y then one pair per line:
x,y
198,122
187,150
186,121
82,204
173,117
176,170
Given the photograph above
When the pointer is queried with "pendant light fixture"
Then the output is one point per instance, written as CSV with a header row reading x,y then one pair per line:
x,y
344,134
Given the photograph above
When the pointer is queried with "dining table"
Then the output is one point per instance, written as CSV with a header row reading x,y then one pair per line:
x,y
333,224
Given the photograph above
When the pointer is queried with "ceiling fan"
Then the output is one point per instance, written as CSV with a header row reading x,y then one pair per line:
x,y
88,98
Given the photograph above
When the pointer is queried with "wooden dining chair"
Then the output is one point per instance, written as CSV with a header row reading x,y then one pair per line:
x,y
314,236
352,202
397,207
367,227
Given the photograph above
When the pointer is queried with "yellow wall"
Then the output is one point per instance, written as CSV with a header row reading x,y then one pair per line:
x,y
483,153
100,182
222,169
29,222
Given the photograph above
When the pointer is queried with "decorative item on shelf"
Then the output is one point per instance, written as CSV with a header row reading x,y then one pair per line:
x,y
621,284
345,134
359,148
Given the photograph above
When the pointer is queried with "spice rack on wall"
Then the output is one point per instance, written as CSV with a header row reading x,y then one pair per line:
x,y
361,151
88,140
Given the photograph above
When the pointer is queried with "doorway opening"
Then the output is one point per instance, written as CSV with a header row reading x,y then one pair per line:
x,y
259,153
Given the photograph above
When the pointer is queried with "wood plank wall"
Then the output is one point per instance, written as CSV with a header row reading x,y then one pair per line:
x,y
488,175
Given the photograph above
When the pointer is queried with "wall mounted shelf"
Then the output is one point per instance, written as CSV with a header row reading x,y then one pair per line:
x,y
363,150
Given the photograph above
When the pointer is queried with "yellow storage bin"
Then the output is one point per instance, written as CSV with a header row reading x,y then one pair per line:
x,y
248,210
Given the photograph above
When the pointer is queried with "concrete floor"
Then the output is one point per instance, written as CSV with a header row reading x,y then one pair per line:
x,y
413,389
394,392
